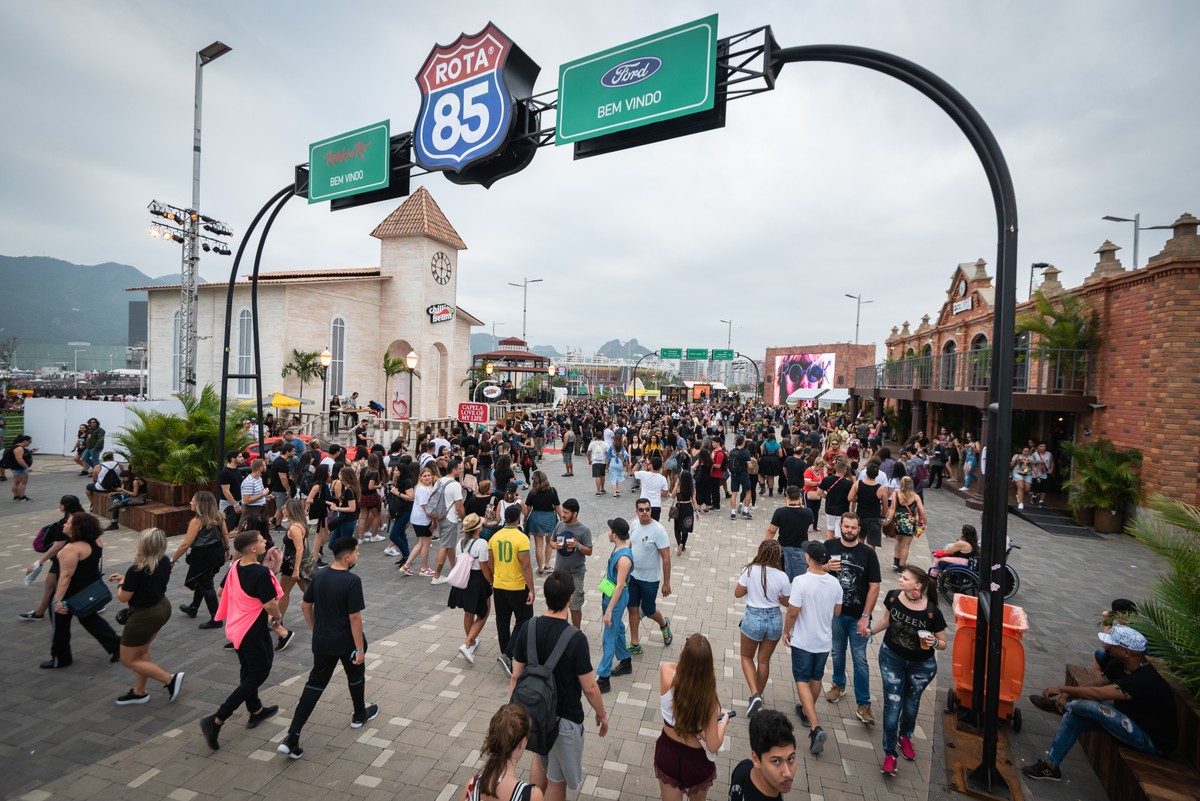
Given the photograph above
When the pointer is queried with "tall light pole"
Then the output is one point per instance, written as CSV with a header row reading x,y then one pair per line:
x,y
411,361
1137,226
326,359
858,313
728,333
188,294
494,324
77,347
524,286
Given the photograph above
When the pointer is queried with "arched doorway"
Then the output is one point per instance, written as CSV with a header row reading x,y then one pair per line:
x,y
925,366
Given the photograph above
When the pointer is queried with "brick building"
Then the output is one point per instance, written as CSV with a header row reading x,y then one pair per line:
x,y
831,368
1140,389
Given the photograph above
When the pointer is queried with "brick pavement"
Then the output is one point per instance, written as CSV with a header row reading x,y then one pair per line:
x,y
64,738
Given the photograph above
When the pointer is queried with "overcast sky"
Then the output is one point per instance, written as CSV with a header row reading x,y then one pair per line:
x,y
841,180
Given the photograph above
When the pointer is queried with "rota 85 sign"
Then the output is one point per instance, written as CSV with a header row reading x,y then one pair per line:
x,y
466,105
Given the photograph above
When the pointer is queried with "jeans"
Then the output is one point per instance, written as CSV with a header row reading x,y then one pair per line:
x,y
398,532
794,562
91,456
846,628
344,529
815,508
318,680
903,683
968,473
1083,716
614,645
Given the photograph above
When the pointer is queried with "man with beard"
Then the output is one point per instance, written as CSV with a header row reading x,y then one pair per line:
x,y
857,569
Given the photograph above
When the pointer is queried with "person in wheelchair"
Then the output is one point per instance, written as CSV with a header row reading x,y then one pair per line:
x,y
962,551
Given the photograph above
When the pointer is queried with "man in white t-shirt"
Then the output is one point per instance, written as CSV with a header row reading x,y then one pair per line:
x,y
651,566
653,483
598,456
815,600
450,527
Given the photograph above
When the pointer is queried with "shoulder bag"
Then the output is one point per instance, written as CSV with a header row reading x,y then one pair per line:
x,y
90,600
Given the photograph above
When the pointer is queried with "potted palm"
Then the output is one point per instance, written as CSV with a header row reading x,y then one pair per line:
x,y
1104,480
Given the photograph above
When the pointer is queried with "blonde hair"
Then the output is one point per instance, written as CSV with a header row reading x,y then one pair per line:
x,y
295,512
207,510
151,548
906,486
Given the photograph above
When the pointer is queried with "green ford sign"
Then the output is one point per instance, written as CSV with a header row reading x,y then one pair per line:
x,y
660,77
353,162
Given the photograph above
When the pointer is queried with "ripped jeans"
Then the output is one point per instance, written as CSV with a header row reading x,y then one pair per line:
x,y
1081,716
903,682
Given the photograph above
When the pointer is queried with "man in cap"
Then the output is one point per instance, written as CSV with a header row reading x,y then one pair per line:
x,y
815,601
1129,700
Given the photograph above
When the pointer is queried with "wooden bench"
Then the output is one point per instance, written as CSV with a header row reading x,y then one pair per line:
x,y
1129,775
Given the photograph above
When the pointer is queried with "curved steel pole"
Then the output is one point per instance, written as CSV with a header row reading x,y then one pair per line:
x,y
262,242
986,690
635,369
757,373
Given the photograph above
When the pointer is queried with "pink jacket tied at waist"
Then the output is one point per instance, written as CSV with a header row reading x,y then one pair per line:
x,y
239,610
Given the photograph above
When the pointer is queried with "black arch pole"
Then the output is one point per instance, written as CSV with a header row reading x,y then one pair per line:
x,y
635,369
986,695
757,374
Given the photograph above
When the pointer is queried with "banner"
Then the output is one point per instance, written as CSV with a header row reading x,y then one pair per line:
x,y
802,371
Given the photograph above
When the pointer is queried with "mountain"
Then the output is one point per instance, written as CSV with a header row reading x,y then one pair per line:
x,y
52,301
616,349
546,350
483,343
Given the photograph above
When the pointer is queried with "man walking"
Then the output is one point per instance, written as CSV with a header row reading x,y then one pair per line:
x,y
93,444
614,590
539,638
573,542
652,484
450,526
815,600
857,569
254,494
333,607
792,522
229,481
568,451
598,456
280,481
512,581
651,566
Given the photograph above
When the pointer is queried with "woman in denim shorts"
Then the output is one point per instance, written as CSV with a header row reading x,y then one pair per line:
x,y
765,586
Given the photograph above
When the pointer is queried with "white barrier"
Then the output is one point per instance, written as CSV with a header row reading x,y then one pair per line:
x,y
53,422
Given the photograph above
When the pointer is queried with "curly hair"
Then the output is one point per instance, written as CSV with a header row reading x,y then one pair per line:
x,y
770,554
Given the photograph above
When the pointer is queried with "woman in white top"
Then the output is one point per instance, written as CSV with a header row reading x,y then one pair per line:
x,y
765,586
693,723
421,523
475,598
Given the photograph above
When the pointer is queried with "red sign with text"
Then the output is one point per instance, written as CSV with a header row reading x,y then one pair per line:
x,y
473,413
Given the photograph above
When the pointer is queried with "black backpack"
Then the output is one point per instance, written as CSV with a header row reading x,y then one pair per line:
x,y
112,478
537,692
737,460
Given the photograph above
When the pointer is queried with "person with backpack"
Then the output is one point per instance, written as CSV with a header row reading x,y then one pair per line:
x,y
552,670
446,510
106,478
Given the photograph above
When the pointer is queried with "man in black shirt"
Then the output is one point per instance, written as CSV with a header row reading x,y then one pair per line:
x,y
280,482
769,771
1130,701
553,773
792,523
857,568
333,606
793,468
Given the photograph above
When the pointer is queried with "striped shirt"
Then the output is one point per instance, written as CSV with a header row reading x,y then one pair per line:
x,y
253,485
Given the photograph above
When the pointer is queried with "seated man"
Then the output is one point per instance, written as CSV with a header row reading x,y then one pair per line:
x,y
1129,700
106,478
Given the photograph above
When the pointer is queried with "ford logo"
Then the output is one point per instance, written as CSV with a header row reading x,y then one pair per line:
x,y
627,73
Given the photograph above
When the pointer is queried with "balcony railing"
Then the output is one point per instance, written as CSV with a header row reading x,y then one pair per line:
x,y
1037,371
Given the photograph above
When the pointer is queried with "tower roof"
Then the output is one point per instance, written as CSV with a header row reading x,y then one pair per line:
x,y
419,215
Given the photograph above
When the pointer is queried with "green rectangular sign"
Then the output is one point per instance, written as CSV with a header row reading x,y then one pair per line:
x,y
670,353
350,163
659,77
722,355
573,374
697,354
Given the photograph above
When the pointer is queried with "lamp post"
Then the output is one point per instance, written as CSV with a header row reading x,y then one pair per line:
x,y
411,361
326,359
494,324
728,333
77,347
858,313
524,286
1037,265
1137,226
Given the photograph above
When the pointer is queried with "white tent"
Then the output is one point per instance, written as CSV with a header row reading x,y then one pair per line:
x,y
824,396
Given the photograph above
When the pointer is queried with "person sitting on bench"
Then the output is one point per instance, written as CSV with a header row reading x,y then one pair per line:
x,y
1129,700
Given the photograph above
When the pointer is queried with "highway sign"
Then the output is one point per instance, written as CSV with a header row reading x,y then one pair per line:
x,y
350,163
722,355
697,354
670,353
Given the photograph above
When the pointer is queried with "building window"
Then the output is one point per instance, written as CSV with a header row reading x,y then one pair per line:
x,y
337,347
176,326
245,353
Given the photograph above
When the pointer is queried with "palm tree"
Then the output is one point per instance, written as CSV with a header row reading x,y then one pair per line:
x,y
305,365
1067,334
475,374
392,367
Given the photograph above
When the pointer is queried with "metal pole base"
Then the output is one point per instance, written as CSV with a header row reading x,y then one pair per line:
x,y
989,782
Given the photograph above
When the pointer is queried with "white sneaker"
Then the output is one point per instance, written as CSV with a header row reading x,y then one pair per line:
x,y
378,538
468,653
391,550
439,580
1020,506
963,489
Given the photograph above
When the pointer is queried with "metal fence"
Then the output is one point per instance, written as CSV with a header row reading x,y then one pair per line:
x,y
1037,371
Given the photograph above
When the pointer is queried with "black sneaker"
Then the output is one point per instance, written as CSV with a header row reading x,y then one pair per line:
x,y
816,740
211,731
133,698
175,686
285,641
357,721
756,703
803,717
603,683
228,645
623,668
261,715
190,611
1042,771
291,747
210,624
1044,704
506,663
32,615
113,526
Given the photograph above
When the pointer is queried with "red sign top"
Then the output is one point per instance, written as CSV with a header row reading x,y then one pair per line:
x,y
473,413
466,58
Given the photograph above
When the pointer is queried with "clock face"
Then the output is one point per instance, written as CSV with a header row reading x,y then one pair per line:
x,y
440,267
962,288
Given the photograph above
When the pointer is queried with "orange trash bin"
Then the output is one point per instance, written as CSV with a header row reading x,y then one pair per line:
x,y
1012,657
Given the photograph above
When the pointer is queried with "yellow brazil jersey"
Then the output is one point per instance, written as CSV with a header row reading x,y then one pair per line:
x,y
505,546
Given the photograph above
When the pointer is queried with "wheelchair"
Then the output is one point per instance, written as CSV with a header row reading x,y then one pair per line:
x,y
964,579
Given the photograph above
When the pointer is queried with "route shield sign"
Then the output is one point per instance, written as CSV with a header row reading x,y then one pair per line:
x,y
660,77
466,105
722,355
697,354
670,353
350,163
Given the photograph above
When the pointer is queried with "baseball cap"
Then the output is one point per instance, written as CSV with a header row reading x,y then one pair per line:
x,y
1123,605
816,550
1124,637
571,504
620,527
512,486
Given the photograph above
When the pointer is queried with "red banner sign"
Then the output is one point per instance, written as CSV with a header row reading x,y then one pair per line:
x,y
473,413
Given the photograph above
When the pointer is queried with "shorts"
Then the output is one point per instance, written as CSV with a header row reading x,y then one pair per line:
x,y
834,523
598,470
20,471
578,596
448,533
761,623
567,455
143,624
564,763
807,666
422,531
872,531
682,766
280,499
643,594
739,482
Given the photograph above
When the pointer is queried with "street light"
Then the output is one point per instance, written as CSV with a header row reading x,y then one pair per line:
x,y
1137,226
326,359
729,333
489,368
1037,265
411,360
524,303
77,347
858,313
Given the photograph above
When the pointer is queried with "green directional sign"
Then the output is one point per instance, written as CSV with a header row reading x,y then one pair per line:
x,y
573,374
722,355
350,163
697,354
667,75
670,353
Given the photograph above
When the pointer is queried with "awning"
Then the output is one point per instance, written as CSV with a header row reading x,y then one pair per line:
x,y
823,395
279,401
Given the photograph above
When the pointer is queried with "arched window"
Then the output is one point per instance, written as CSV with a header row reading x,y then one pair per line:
x,y
176,325
245,353
337,347
948,369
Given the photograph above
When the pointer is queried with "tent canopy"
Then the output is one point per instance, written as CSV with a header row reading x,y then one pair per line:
x,y
822,395
279,401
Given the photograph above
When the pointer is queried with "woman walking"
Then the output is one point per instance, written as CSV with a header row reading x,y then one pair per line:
x,y
318,499
206,544
371,479
618,463
914,632
970,460
502,749
421,522
475,598
144,588
53,541
78,568
250,594
345,503
693,723
400,495
541,514
765,587
908,513
813,476
684,510
298,563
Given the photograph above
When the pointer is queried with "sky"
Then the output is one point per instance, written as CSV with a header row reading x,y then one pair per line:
x,y
841,180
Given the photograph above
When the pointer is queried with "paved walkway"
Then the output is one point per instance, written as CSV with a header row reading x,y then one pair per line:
x,y
63,738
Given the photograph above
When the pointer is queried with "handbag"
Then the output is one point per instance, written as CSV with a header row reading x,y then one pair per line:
x,y
308,565
889,528
674,513
90,600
